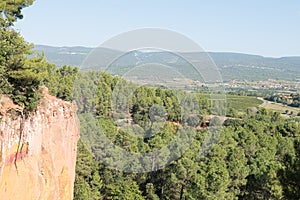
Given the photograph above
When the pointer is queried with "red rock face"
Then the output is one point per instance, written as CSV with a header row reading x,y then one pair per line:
x,y
38,154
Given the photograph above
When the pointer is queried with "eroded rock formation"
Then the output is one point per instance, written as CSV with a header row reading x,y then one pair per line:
x,y
38,153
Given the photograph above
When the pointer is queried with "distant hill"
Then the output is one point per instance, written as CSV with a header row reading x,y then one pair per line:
x,y
253,67
64,55
231,65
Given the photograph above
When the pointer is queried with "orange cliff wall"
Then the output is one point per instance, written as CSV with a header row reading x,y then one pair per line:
x,y
40,164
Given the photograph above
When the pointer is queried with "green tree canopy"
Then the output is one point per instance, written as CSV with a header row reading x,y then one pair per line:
x,y
11,11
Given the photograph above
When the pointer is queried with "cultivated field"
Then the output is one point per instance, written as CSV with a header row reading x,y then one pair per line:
x,y
242,102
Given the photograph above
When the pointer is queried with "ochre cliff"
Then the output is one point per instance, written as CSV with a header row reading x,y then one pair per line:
x,y
38,153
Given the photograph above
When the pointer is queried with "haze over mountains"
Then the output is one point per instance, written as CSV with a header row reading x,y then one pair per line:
x,y
231,65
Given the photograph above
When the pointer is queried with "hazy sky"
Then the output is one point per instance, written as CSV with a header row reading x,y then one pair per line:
x,y
264,27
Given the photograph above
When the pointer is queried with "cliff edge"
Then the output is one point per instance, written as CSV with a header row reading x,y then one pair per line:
x,y
38,153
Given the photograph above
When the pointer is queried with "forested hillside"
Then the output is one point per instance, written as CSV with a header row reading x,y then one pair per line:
x,y
255,157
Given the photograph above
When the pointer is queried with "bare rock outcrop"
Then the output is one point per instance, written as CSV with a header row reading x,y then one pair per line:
x,y
38,153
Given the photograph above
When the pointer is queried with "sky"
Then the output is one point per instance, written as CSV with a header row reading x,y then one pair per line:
x,y
261,27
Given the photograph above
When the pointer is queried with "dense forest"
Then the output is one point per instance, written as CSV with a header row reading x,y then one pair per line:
x,y
256,156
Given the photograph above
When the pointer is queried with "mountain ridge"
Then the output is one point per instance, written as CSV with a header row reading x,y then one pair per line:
x,y
40,47
231,65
